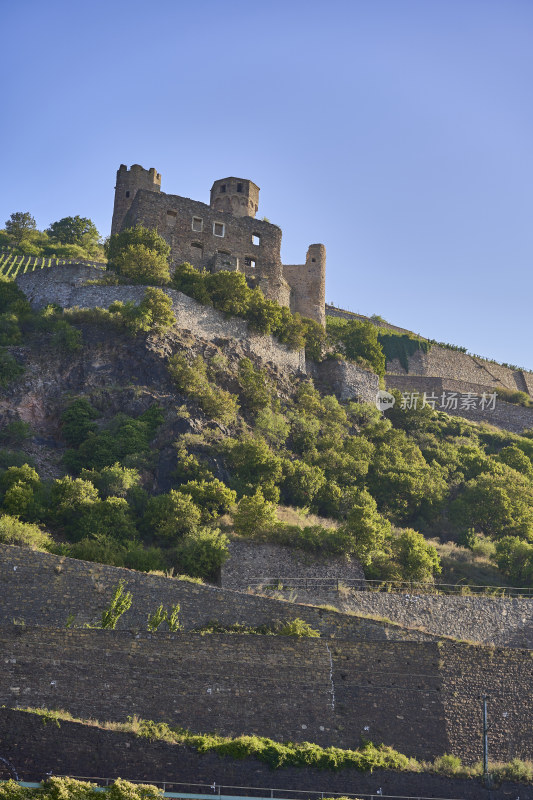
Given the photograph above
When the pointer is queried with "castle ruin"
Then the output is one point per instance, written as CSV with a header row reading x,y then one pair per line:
x,y
224,235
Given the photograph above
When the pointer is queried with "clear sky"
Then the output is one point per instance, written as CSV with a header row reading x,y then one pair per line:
x,y
397,132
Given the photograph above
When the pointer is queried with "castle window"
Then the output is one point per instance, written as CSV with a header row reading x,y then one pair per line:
x,y
171,217
256,239
249,262
197,251
219,228
223,188
313,260
239,187
197,224
127,194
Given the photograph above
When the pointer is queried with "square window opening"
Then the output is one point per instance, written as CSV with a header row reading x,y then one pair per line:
x,y
223,188
197,224
218,228
256,239
239,187
250,262
127,194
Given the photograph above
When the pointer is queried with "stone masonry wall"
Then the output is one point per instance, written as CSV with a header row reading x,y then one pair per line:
x,y
200,320
251,562
489,620
172,216
347,380
43,589
421,698
504,415
440,362
36,746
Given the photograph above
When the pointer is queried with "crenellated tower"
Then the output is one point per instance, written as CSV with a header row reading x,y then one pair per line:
x,y
129,181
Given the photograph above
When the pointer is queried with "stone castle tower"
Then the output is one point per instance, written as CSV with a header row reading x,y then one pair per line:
x,y
224,235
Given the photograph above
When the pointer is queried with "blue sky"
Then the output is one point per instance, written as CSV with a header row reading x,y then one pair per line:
x,y
397,132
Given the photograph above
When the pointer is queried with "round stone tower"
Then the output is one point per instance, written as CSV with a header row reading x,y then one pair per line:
x,y
129,181
237,196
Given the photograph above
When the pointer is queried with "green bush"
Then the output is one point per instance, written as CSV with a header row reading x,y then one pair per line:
x,y
23,534
202,553
171,516
148,237
254,514
193,381
140,264
191,282
212,497
254,466
77,421
256,389
10,369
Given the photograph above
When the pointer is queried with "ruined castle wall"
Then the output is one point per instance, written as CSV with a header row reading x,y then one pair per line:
x,y
43,589
200,320
308,284
251,562
36,746
504,415
189,227
422,698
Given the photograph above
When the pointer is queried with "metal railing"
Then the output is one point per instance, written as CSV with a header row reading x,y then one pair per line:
x,y
400,587
225,792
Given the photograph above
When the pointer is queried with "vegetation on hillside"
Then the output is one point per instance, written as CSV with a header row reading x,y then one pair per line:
x,y
67,238
386,484
277,755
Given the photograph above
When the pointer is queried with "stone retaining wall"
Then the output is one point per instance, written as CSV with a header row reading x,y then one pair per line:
x,y
251,561
36,746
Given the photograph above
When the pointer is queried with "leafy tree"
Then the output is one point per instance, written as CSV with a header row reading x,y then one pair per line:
x,y
272,425
74,230
154,313
191,282
515,458
148,237
202,553
68,499
497,505
315,339
514,557
192,380
254,466
301,482
255,387
19,225
114,480
77,421
253,514
139,264
170,516
229,292
212,497
111,518
263,315
360,342
365,529
418,559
